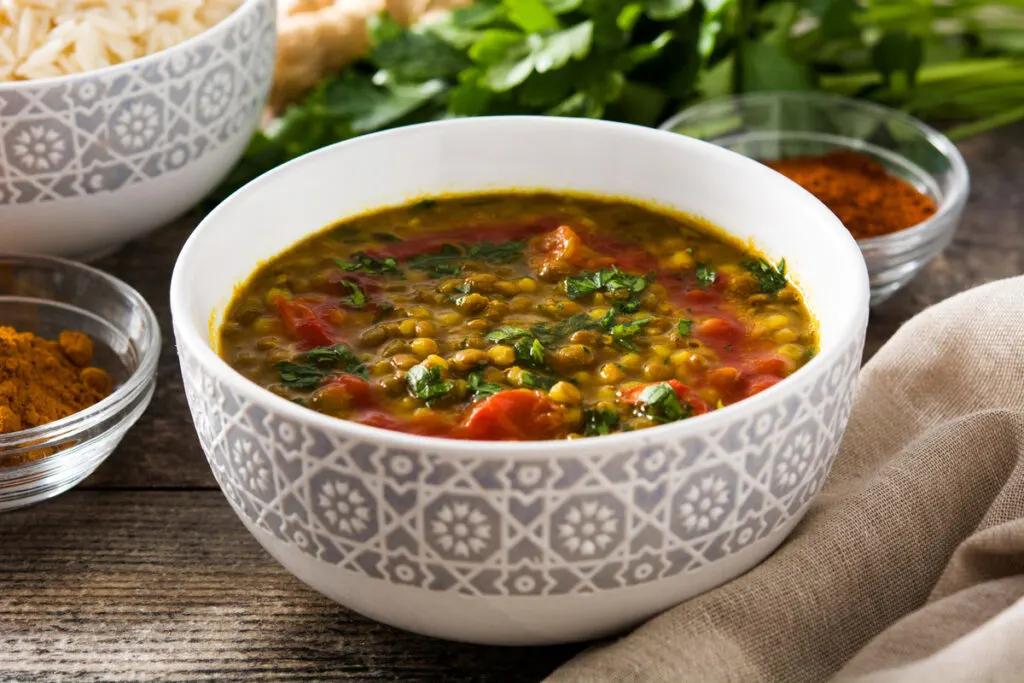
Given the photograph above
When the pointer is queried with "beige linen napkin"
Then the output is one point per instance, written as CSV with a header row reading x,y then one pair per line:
x,y
909,563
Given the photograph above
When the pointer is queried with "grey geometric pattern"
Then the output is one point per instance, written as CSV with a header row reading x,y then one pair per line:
x,y
526,526
96,133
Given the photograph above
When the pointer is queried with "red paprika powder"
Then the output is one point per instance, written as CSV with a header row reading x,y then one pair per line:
x,y
866,198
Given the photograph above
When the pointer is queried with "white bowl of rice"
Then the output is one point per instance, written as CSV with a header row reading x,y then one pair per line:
x,y
117,116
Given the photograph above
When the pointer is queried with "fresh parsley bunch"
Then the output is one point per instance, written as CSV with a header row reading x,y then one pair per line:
x,y
640,61
591,58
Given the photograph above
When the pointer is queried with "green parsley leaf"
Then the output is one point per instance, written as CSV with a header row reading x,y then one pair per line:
x,y
357,297
426,383
364,263
608,321
579,286
530,351
412,55
719,405
307,370
771,279
439,264
532,16
506,333
480,387
496,253
549,334
685,327
599,421
623,333
706,274
533,380
604,280
382,311
661,403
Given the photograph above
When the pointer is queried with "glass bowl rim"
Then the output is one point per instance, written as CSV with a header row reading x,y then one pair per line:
x,y
925,231
132,387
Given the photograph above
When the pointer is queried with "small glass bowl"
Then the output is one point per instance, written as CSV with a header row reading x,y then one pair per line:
x,y
773,125
46,295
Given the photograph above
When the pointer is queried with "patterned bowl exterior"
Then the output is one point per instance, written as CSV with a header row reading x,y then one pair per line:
x,y
477,529
159,132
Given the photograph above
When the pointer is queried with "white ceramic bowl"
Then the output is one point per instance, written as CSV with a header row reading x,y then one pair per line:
x,y
521,543
92,160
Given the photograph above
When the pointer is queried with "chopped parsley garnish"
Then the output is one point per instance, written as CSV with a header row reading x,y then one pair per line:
x,y
505,252
719,405
506,333
530,351
357,297
623,333
382,311
661,403
685,327
364,263
627,306
426,383
444,262
535,381
771,279
438,264
705,274
307,370
480,387
604,280
811,353
549,334
447,269
599,421
528,348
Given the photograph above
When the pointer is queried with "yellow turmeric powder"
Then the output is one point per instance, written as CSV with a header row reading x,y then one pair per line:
x,y
42,381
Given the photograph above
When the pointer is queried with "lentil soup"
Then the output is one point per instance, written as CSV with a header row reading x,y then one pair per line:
x,y
517,316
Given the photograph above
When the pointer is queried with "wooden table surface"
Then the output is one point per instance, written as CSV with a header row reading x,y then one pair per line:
x,y
144,573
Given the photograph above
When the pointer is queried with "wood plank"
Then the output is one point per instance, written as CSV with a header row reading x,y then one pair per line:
x,y
161,585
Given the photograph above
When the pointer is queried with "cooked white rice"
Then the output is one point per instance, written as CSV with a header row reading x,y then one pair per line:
x,y
46,38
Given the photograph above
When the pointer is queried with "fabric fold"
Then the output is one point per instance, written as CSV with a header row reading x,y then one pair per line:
x,y
913,550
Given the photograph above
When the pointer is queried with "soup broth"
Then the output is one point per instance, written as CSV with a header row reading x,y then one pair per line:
x,y
518,316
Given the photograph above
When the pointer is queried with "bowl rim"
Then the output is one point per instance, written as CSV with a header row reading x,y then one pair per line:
x,y
914,234
136,383
190,342
244,7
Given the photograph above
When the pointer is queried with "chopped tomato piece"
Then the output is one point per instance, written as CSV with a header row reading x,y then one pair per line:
x,y
431,424
376,418
303,323
562,251
725,380
358,390
770,365
759,384
720,330
516,415
685,394
695,297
